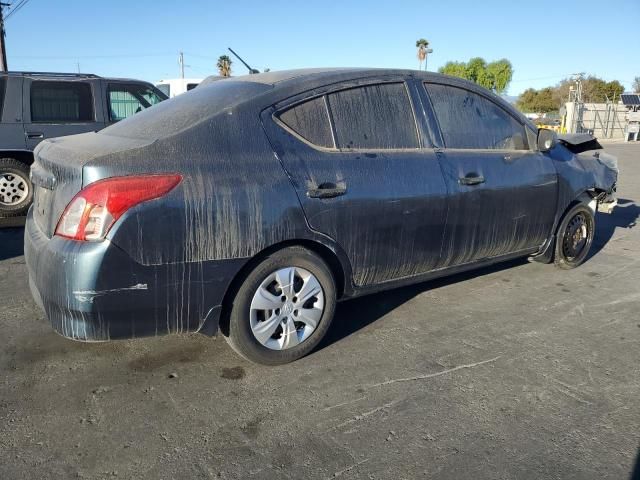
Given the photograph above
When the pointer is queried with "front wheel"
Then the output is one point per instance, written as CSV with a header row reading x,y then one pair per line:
x,y
575,236
284,307
16,191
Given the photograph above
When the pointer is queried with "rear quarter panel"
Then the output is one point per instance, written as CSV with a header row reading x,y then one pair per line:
x,y
234,200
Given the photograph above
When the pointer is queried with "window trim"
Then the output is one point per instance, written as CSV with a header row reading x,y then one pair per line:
x,y
63,122
292,102
487,98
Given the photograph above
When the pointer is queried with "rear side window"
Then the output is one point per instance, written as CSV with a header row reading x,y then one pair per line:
x,y
470,121
3,87
61,102
373,116
310,120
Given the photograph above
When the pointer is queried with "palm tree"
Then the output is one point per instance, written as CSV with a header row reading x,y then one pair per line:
x,y
422,46
224,65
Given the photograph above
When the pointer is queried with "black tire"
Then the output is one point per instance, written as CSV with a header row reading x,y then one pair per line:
x,y
574,237
240,335
13,175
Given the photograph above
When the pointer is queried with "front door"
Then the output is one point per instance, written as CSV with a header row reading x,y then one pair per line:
x,y
502,193
364,177
55,108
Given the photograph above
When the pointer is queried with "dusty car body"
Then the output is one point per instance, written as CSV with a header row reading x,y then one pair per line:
x,y
296,164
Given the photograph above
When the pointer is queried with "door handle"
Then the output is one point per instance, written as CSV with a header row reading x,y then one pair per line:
x,y
471,179
35,135
326,190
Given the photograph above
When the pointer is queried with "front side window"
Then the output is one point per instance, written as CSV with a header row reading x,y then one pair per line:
x,y
125,100
61,102
310,120
470,121
164,88
373,117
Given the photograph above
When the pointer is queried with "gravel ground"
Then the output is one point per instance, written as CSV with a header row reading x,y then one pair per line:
x,y
518,371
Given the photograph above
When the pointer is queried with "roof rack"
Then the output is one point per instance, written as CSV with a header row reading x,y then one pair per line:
x,y
56,74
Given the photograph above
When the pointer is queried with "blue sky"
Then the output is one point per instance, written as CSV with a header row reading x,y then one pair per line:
x,y
142,38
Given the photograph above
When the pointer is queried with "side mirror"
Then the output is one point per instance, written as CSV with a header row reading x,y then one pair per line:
x,y
547,139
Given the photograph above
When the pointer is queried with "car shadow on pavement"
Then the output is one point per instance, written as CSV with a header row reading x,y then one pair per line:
x,y
625,215
356,314
635,473
11,242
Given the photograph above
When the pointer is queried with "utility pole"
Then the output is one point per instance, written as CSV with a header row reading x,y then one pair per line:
x,y
181,62
3,59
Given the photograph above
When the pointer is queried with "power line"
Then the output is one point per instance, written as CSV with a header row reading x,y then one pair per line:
x,y
16,8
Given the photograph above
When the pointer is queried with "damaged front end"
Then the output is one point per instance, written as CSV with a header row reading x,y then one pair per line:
x,y
588,170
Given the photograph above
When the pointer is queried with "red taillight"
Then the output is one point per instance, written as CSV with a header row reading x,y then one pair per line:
x,y
93,211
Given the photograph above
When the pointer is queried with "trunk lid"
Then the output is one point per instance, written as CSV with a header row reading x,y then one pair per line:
x,y
58,168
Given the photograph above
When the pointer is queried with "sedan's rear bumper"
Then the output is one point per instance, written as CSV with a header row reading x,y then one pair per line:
x,y
94,291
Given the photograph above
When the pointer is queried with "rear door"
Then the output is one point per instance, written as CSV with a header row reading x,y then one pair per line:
x,y
59,107
364,176
503,192
11,130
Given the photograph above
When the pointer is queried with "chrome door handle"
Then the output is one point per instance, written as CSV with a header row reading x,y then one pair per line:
x,y
471,179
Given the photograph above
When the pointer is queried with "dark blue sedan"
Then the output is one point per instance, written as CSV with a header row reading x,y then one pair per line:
x,y
251,205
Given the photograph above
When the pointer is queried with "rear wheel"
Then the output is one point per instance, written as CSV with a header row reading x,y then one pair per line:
x,y
16,191
575,236
284,307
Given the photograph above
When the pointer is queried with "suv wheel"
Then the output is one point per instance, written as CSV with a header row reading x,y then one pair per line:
x,y
16,191
284,307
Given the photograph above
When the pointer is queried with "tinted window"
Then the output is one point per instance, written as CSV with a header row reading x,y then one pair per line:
x,y
310,120
3,86
165,88
125,100
374,116
63,102
468,120
191,86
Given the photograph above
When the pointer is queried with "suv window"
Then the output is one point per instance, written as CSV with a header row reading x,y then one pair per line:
x,y
61,102
373,116
164,88
3,86
470,121
127,99
310,120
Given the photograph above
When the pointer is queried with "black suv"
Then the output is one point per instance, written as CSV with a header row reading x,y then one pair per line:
x,y
35,106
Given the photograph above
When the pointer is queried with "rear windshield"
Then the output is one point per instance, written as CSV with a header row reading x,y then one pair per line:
x,y
184,111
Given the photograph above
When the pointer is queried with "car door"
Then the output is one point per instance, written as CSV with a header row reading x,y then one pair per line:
x,y
364,176
502,191
59,107
11,130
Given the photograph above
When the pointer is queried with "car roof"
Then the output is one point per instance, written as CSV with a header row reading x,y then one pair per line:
x,y
66,75
290,82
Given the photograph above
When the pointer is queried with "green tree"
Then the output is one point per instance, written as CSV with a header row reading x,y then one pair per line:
x,y
636,85
495,75
500,74
537,101
455,69
224,65
422,44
